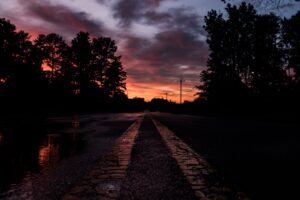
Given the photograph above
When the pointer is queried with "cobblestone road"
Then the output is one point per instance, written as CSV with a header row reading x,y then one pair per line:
x,y
149,162
104,181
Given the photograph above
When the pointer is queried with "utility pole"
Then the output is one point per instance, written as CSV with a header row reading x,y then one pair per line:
x,y
180,82
166,96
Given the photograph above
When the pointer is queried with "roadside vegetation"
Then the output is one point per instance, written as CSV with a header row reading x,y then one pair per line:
x,y
50,75
253,68
254,62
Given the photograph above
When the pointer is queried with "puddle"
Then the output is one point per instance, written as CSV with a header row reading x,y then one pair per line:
x,y
26,150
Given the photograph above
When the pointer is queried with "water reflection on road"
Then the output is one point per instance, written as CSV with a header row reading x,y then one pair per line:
x,y
52,154
26,150
48,153
56,145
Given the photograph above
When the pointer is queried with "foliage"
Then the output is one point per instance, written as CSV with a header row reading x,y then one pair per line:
x,y
291,38
249,55
267,4
86,73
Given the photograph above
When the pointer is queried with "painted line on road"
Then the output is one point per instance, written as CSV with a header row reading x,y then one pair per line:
x,y
196,169
104,181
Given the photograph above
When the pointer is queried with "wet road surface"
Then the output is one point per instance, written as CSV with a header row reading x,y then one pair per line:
x,y
260,158
105,179
153,173
165,156
43,163
158,165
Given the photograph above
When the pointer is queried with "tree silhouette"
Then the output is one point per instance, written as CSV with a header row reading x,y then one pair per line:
x,y
115,77
7,37
100,71
88,69
81,47
221,81
268,75
55,54
291,40
291,37
103,51
15,48
53,51
20,75
267,4
246,64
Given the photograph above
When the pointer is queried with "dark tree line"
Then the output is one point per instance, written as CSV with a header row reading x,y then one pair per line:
x,y
267,4
85,74
254,60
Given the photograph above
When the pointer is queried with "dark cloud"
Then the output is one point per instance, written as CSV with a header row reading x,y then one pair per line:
x,y
155,61
161,60
141,76
173,47
63,19
156,18
177,18
128,10
133,10
136,45
145,12
188,21
102,1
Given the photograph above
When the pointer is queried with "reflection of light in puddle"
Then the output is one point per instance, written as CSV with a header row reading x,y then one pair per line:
x,y
43,154
49,153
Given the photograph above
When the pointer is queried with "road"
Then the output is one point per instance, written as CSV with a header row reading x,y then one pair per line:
x,y
43,162
167,156
259,158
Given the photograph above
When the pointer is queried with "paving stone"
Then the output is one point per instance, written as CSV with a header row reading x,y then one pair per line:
x,y
195,168
153,173
103,182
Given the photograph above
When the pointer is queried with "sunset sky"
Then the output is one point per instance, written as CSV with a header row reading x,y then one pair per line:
x,y
160,40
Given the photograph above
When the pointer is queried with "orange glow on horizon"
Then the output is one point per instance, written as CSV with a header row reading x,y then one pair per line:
x,y
149,91
152,90
146,90
148,95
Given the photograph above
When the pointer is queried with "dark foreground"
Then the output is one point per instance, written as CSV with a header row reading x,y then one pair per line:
x,y
260,158
42,161
93,157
